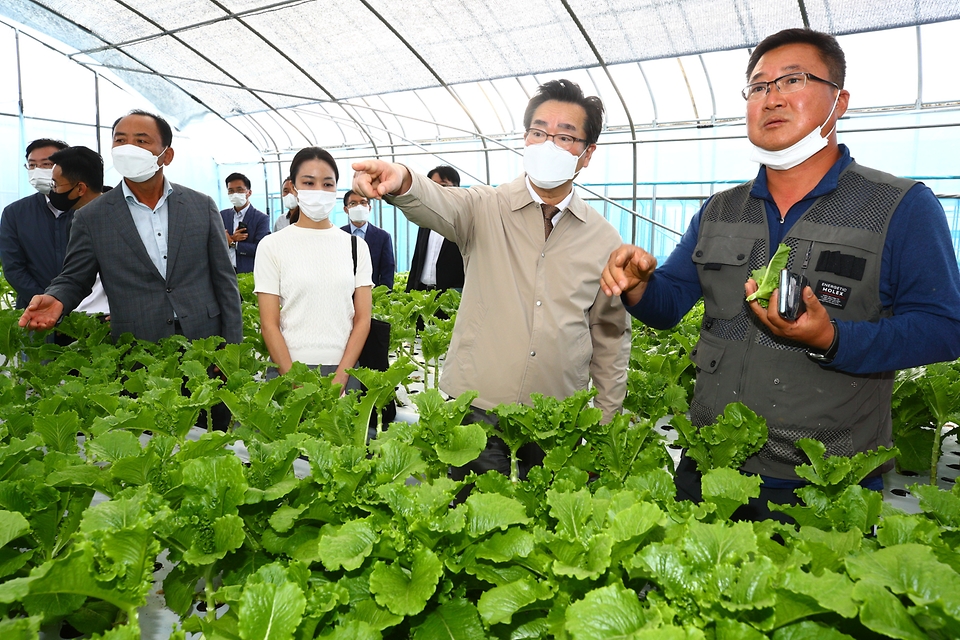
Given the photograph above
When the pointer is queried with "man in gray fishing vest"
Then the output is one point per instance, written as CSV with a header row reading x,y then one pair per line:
x,y
884,288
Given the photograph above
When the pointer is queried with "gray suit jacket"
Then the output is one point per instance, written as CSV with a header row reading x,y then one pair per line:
x,y
200,285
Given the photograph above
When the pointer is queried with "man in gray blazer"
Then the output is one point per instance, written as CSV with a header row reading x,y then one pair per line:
x,y
159,248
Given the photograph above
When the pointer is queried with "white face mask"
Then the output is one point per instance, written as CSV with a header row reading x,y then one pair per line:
x,y
316,204
359,213
548,166
798,152
135,163
41,179
289,201
237,199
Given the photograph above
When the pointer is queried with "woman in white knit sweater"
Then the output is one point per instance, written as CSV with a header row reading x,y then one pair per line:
x,y
315,306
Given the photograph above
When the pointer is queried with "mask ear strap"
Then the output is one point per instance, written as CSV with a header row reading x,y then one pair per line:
x,y
830,115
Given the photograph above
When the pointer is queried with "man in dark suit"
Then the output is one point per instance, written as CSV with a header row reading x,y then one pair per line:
x,y
160,249
436,263
33,232
244,224
379,241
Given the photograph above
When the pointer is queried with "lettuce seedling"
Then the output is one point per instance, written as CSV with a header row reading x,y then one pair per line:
x,y
768,278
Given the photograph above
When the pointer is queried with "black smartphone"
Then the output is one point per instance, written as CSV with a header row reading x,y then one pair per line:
x,y
790,301
241,226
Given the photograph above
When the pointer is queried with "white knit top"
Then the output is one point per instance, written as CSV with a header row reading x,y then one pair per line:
x,y
312,272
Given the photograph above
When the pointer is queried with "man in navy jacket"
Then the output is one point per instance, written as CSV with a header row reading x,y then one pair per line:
x,y
379,241
33,233
244,224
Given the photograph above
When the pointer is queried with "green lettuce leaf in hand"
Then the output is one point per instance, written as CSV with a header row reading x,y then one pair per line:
x,y
768,278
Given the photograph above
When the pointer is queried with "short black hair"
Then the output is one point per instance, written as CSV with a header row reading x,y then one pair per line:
x,y
40,143
346,196
81,164
312,153
237,176
166,133
830,51
446,172
568,91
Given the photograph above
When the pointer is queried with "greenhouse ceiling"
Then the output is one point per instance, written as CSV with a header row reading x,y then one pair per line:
x,y
291,72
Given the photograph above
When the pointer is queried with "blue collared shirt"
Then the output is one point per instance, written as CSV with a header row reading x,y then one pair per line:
x,y
919,282
360,232
152,224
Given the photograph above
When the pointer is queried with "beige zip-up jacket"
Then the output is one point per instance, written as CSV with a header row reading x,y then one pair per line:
x,y
533,318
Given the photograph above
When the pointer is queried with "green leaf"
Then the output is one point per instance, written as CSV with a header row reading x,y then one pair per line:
x,y
271,609
464,444
942,506
832,591
912,570
12,526
368,612
883,613
454,620
405,591
809,630
498,604
114,445
572,510
712,545
582,560
397,462
486,512
353,630
59,432
506,546
608,612
729,489
21,628
728,629
768,278
348,546
635,521
728,442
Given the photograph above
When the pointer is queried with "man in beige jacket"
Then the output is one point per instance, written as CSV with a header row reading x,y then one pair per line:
x,y
533,318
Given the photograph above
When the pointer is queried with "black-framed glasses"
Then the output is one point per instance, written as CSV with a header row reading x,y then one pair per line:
x,y
562,140
45,164
789,83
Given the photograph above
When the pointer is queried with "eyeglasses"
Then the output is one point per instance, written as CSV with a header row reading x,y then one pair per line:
x,y
562,140
362,203
45,164
789,83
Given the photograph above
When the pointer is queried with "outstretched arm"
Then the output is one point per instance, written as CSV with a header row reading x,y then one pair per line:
x,y
627,273
42,313
376,178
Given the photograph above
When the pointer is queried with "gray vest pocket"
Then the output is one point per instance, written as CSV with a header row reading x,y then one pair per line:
x,y
721,262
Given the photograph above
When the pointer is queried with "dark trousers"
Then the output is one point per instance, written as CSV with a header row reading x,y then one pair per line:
x,y
496,456
687,480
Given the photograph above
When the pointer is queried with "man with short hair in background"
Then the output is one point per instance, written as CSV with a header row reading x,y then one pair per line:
x,y
379,241
78,181
437,262
33,232
245,225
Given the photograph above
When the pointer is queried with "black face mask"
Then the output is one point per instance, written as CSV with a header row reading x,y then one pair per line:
x,y
63,201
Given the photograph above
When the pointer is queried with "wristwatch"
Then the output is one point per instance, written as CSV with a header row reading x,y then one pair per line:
x,y
827,356
233,244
